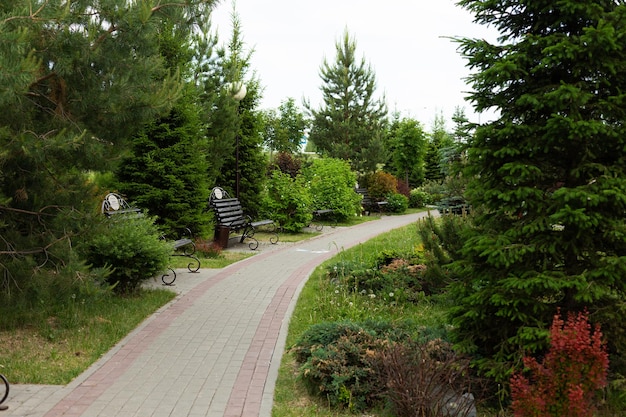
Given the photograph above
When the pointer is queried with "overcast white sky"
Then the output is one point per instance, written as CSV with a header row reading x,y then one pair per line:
x,y
417,67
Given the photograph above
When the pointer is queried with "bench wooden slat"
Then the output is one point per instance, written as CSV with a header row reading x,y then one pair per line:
x,y
368,203
229,213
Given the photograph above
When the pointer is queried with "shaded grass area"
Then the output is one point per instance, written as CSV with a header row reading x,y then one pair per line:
x,y
321,300
213,261
53,343
59,347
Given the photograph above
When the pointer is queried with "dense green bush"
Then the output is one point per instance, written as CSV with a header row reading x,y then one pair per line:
x,y
418,198
397,203
381,184
436,190
334,360
130,246
288,201
331,184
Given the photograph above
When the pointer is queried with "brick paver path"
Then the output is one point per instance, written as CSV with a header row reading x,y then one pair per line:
x,y
213,352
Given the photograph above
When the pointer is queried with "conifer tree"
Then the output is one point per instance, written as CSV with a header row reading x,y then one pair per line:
x,y
78,79
350,125
244,127
439,139
166,173
549,177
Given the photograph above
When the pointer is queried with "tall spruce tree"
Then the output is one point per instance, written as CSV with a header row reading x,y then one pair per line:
x,y
439,139
350,125
166,173
550,177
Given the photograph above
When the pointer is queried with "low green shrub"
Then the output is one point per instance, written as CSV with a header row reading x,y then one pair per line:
x,y
331,184
380,184
334,361
443,241
288,201
131,247
397,203
419,198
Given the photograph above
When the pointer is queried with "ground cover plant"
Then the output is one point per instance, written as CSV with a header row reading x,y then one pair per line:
x,y
346,301
366,323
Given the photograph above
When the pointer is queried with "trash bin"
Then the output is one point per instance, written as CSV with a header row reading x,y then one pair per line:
x,y
221,236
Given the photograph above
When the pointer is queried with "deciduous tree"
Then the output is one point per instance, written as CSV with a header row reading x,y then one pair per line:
x,y
284,131
408,147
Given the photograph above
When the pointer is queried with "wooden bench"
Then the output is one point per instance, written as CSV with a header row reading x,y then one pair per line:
x,y
369,204
114,205
454,205
229,215
320,215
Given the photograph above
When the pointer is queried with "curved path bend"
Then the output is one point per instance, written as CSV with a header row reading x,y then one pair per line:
x,y
214,351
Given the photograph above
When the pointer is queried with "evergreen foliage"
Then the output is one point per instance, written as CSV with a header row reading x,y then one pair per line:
x,y
166,174
166,171
549,178
131,249
77,82
439,139
351,123
246,121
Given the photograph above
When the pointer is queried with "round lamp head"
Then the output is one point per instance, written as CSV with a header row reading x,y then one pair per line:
x,y
237,90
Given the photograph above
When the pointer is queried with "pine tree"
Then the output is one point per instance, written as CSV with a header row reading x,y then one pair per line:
x,y
77,81
351,123
549,177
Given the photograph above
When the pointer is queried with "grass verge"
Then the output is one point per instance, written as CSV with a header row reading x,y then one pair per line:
x,y
321,301
60,347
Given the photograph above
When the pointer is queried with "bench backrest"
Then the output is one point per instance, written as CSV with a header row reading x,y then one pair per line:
x,y
366,197
228,211
114,204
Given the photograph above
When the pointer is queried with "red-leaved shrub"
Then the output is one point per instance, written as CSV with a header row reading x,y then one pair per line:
x,y
566,382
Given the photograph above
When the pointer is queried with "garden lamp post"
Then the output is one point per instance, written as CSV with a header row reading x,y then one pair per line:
x,y
238,92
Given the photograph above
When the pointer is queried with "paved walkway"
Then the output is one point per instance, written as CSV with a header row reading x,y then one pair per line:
x,y
214,351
